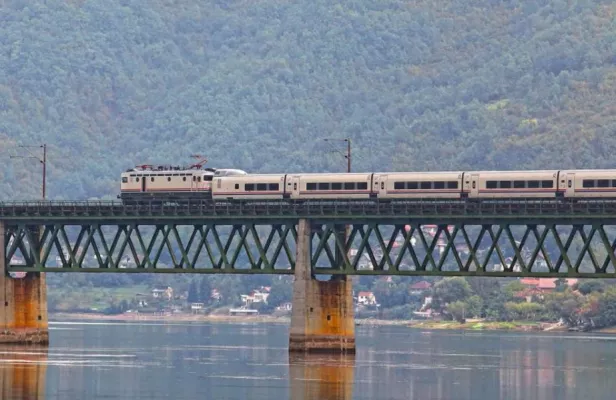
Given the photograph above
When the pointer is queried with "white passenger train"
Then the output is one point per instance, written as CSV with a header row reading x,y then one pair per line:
x,y
233,184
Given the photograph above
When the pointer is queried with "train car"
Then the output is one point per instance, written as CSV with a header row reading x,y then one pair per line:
x,y
510,184
329,186
598,183
418,185
249,187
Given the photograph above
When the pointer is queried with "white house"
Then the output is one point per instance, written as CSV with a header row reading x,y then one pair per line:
x,y
366,298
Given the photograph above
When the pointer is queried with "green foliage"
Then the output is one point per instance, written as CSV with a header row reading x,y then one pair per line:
x,y
449,290
591,286
193,292
524,311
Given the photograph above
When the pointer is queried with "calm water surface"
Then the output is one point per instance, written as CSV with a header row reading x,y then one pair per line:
x,y
224,361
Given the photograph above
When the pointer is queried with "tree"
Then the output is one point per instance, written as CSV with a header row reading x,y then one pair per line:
x,y
281,292
591,286
449,290
205,290
193,292
458,310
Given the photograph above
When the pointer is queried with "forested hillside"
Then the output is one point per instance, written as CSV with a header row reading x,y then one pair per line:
x,y
417,85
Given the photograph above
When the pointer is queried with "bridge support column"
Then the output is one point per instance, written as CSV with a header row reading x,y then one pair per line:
x,y
23,304
322,316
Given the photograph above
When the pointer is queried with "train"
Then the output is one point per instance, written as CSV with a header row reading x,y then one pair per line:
x,y
176,184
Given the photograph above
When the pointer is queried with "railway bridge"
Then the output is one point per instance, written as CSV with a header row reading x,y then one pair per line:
x,y
336,240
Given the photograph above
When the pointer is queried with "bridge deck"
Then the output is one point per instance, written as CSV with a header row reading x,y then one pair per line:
x,y
50,211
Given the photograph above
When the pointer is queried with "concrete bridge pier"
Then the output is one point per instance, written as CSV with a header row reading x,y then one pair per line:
x,y
23,304
322,317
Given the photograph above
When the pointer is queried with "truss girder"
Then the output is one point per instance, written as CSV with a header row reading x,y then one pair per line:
x,y
398,247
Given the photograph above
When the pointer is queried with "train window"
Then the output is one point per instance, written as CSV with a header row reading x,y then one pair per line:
x,y
519,184
295,186
425,185
349,185
491,184
439,185
474,184
569,183
588,183
198,179
603,183
382,185
336,185
310,186
184,179
207,177
547,184
505,184
261,186
124,179
533,184
452,185
169,179
323,185
194,178
152,179
137,179
362,186
273,186
237,185
399,185
412,185
613,182
249,187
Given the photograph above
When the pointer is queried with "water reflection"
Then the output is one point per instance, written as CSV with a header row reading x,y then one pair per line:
x,y
22,372
323,377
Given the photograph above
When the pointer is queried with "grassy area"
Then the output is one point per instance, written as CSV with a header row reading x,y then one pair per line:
x,y
478,325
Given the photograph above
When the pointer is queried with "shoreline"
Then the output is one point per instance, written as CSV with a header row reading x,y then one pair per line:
x,y
426,325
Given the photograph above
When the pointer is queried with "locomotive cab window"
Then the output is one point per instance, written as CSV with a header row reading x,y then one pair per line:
x,y
124,179
207,177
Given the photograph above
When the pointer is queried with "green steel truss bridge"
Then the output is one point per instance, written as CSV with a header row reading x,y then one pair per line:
x,y
490,238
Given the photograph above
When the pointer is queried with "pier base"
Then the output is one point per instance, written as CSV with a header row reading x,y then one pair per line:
x,y
23,305
322,320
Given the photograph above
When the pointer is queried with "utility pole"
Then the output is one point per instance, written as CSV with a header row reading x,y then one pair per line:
x,y
43,161
348,150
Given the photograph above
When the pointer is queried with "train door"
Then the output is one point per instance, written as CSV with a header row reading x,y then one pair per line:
x,y
382,188
293,186
474,185
143,179
570,179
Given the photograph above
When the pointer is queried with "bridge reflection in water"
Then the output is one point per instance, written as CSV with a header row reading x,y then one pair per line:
x,y
323,377
22,372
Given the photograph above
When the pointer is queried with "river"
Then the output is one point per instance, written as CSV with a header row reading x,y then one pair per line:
x,y
234,361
